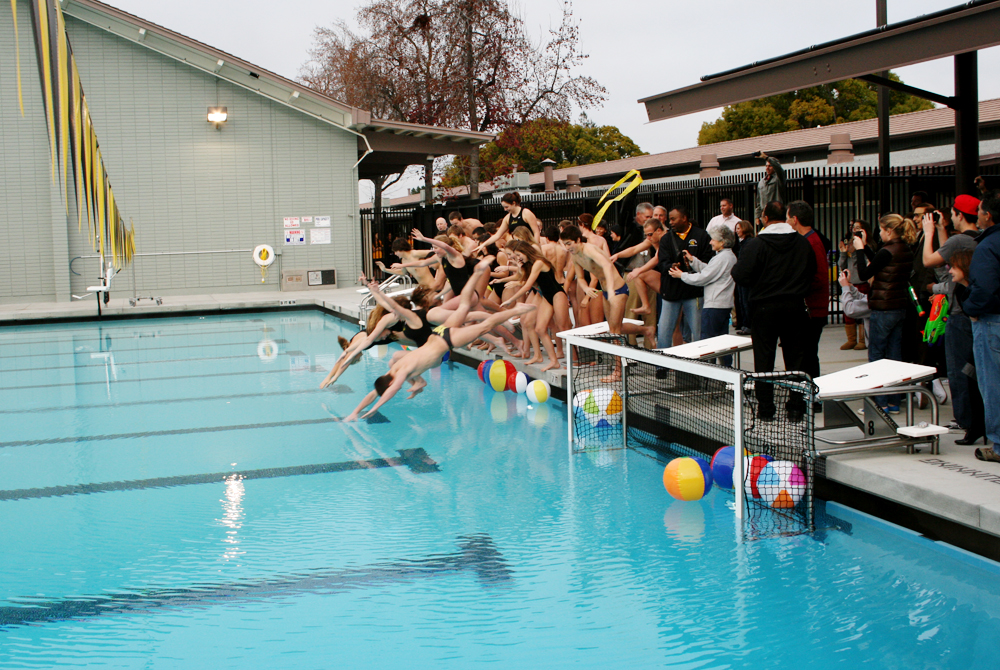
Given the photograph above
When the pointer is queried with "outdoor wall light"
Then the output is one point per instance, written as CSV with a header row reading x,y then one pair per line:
x,y
218,116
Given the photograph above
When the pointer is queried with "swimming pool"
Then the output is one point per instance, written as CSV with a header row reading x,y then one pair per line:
x,y
176,493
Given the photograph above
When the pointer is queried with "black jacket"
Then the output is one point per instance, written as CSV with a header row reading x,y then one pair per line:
x,y
776,266
671,245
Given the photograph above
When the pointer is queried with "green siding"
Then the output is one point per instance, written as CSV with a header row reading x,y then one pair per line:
x,y
188,186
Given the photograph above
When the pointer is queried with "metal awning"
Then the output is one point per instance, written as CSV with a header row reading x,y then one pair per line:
x,y
967,28
396,145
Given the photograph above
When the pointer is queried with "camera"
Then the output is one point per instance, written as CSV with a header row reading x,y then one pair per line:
x,y
756,154
858,233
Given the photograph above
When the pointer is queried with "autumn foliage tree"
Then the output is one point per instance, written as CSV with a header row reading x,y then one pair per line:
x,y
460,63
523,147
829,104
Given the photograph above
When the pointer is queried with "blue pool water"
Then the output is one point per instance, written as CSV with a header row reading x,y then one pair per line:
x,y
344,545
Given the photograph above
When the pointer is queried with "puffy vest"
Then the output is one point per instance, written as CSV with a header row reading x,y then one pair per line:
x,y
890,284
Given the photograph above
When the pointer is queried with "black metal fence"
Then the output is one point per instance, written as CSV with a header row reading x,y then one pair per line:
x,y
839,195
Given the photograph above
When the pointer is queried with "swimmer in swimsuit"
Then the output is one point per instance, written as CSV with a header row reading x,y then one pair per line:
x,y
543,291
588,257
452,333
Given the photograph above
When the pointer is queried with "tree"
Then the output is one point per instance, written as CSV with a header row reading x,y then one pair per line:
x,y
829,104
460,63
525,146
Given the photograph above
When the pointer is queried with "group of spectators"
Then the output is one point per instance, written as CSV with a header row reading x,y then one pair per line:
x,y
775,285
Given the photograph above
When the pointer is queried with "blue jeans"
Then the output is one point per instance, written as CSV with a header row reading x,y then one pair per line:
x,y
986,347
886,341
715,321
668,321
958,352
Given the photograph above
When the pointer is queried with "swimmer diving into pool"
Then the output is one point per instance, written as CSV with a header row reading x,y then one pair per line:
x,y
452,333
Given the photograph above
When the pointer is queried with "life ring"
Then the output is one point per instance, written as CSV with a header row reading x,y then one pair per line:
x,y
267,350
263,255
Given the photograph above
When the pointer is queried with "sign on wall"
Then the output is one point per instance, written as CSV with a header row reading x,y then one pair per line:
x,y
319,236
291,222
322,221
295,237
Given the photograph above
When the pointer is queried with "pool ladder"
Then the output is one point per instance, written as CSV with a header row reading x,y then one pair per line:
x,y
393,286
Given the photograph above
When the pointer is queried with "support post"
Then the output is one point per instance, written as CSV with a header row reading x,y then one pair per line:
x,y
966,122
882,18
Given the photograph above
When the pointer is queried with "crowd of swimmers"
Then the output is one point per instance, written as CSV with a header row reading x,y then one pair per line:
x,y
478,284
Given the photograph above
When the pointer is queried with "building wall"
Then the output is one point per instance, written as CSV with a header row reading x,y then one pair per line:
x,y
26,189
186,186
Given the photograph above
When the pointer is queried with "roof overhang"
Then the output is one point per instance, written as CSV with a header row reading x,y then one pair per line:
x,y
970,27
397,145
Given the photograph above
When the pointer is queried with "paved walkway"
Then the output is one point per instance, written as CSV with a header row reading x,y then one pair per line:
x,y
952,485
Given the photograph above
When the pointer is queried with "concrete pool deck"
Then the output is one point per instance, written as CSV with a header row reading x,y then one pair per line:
x,y
921,489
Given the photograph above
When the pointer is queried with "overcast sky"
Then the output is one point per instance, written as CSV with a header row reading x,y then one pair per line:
x,y
637,48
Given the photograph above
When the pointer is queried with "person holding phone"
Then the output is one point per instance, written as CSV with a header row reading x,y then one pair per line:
x,y
848,260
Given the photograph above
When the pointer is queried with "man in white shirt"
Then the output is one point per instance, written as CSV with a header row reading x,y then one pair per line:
x,y
726,218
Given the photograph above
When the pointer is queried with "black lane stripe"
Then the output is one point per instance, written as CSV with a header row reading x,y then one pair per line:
x,y
103,382
377,417
160,433
338,388
114,337
416,460
125,363
476,554
250,343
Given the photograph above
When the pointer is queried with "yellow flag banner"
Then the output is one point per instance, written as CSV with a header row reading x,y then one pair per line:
x,y
73,141
636,180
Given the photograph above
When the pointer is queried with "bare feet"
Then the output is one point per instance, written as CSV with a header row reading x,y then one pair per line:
x,y
534,360
552,366
649,334
613,378
641,310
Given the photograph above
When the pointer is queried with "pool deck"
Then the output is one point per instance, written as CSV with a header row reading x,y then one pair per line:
x,y
952,485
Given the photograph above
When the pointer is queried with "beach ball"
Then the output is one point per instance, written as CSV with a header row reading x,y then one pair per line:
x,y
752,465
484,371
600,406
722,464
498,375
687,478
538,391
517,382
781,484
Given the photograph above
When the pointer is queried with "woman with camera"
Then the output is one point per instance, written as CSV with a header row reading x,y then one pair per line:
x,y
849,261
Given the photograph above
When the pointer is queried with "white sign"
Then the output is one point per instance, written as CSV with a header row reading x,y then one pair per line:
x,y
291,222
322,221
307,219
319,236
295,237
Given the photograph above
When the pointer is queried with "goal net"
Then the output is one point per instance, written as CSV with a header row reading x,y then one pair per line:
x,y
621,396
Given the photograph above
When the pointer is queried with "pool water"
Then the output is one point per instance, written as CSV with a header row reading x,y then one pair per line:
x,y
176,493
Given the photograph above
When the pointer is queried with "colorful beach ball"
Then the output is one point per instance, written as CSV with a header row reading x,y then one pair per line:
x,y
723,463
600,406
538,390
687,478
517,382
484,371
752,467
781,484
498,375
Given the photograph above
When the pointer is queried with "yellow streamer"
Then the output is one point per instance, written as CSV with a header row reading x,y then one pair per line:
x,y
62,63
17,56
45,48
631,187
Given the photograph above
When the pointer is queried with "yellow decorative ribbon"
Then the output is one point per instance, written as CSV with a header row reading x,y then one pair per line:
x,y
631,187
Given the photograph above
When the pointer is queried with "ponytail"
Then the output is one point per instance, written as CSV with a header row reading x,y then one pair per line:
x,y
903,227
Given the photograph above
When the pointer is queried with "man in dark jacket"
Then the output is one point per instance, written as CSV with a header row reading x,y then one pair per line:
x,y
778,267
677,295
983,306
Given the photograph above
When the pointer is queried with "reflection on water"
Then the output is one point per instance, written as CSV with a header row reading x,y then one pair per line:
x,y
232,516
